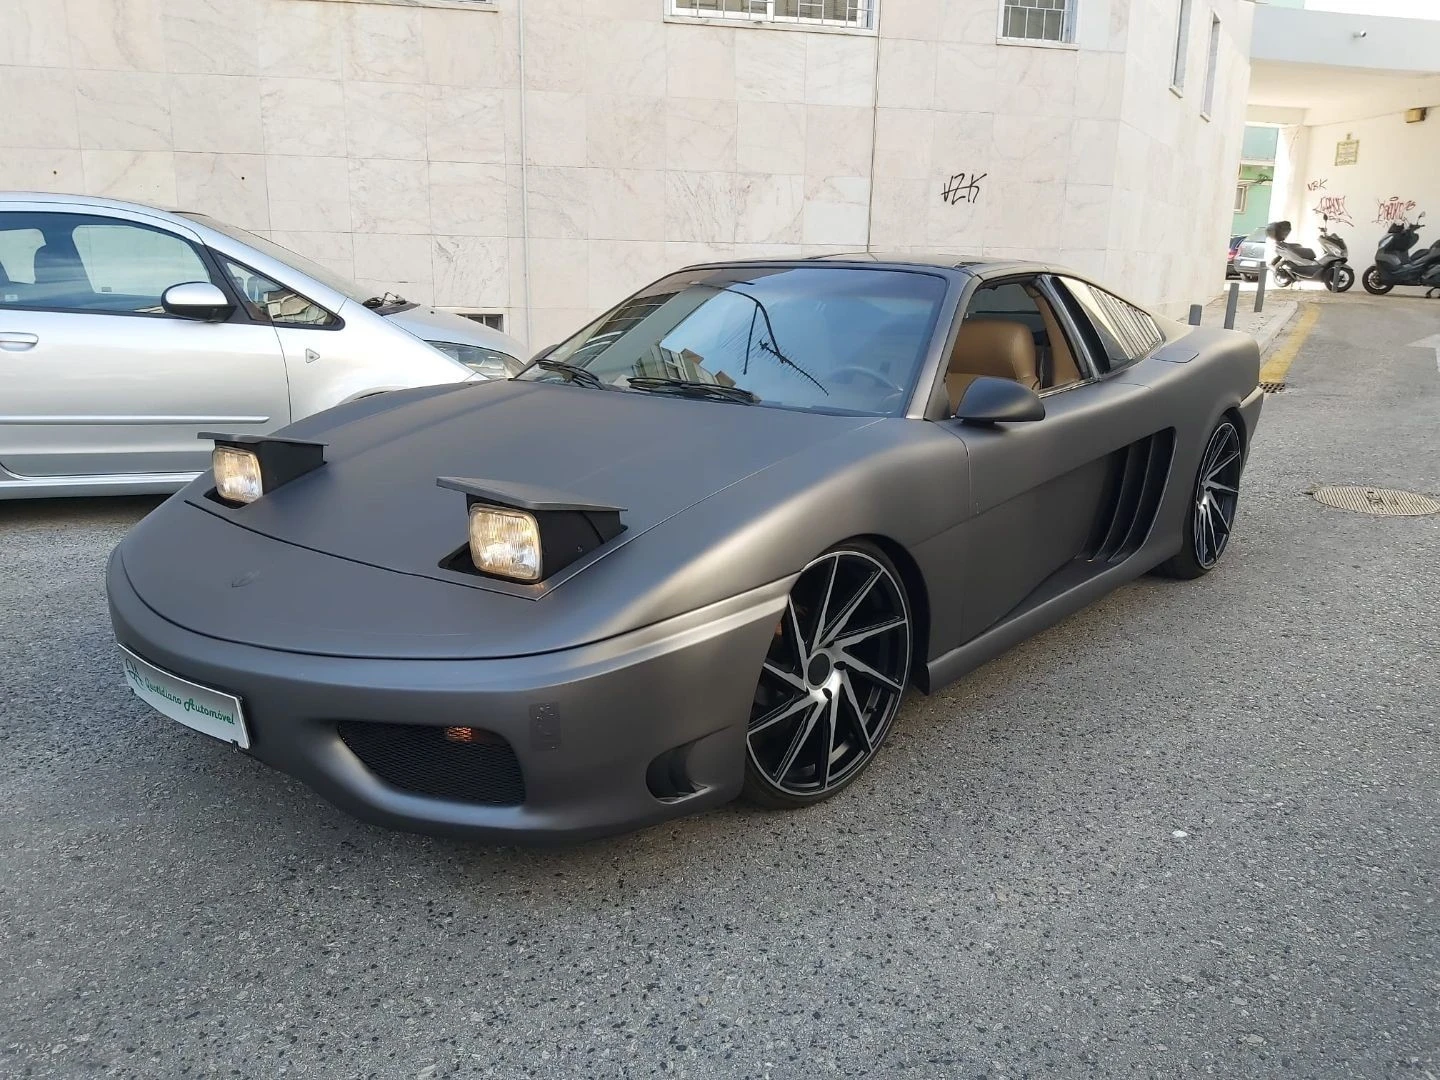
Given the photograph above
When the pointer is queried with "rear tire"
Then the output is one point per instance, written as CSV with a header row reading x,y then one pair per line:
x,y
1371,280
1213,500
832,681
1284,278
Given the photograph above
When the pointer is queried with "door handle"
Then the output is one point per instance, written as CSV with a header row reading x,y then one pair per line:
x,y
11,341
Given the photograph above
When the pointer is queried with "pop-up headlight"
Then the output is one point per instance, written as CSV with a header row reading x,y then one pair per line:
x,y
247,466
526,534
505,543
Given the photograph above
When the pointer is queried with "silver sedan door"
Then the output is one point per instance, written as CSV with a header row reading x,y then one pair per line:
x,y
96,378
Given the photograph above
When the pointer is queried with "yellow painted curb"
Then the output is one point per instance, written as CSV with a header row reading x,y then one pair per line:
x,y
1275,368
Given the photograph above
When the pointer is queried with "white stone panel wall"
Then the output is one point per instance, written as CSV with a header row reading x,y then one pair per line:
x,y
393,141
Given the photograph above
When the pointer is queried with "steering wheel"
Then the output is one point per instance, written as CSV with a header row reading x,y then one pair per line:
x,y
839,375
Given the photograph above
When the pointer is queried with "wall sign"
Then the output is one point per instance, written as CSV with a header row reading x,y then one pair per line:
x,y
1347,151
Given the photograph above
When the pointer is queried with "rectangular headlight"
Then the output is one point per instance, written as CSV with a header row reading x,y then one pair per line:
x,y
505,543
237,474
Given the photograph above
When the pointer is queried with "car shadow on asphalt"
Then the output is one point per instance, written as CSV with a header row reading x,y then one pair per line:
x,y
73,512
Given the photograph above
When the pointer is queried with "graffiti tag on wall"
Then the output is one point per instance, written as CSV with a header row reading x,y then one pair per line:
x,y
1316,185
958,190
1393,209
1333,207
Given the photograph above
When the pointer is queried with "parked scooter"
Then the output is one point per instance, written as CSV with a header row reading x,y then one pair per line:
x,y
1395,264
1293,262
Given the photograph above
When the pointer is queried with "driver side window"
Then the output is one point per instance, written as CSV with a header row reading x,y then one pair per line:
x,y
1010,331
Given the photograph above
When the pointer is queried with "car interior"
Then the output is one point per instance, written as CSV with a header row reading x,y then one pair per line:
x,y
75,263
1010,332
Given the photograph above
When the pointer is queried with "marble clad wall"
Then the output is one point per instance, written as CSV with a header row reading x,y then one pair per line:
x,y
384,138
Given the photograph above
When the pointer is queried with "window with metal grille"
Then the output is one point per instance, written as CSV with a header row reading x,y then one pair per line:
x,y
1038,20
493,319
1182,45
1126,332
1212,62
853,13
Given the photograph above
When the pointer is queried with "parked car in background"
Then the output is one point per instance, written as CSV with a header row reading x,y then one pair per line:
x,y
1250,255
1230,252
125,331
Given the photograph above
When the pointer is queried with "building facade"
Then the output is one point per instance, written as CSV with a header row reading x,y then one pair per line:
x,y
539,159
1353,99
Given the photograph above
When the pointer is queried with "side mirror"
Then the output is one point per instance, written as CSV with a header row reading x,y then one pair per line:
x,y
989,400
197,300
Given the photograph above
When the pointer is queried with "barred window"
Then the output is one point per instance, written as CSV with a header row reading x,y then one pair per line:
x,y
1126,332
853,13
1038,20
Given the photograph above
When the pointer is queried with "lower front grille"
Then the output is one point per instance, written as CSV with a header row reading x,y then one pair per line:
x,y
480,768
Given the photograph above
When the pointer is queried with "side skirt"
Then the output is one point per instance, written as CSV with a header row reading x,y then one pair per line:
x,y
945,669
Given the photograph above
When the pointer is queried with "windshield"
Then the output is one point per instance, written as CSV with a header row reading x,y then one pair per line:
x,y
308,267
835,339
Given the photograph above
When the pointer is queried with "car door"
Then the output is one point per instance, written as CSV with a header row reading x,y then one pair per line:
x,y
96,378
332,356
1055,501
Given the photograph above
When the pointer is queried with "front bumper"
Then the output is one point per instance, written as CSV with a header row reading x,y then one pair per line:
x,y
585,724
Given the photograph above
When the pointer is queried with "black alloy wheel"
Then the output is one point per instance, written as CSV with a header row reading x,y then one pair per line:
x,y
1211,515
1340,279
832,681
1284,278
1373,285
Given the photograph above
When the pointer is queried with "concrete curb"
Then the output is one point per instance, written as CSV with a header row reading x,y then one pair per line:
x,y
1275,325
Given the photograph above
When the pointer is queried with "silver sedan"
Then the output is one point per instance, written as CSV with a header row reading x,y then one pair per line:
x,y
125,331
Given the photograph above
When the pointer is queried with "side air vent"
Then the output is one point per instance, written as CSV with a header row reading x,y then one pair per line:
x,y
1136,485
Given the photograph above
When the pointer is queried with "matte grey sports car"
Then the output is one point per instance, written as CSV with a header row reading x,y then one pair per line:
x,y
701,548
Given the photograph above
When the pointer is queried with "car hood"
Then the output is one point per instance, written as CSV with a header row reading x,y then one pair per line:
x,y
352,565
428,324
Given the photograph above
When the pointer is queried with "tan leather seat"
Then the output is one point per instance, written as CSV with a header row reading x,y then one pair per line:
x,y
1063,368
995,347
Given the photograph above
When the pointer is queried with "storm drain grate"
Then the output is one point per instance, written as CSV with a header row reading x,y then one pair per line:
x,y
1272,387
1382,502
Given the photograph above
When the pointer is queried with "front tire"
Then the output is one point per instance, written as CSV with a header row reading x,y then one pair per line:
x,y
1340,279
832,681
1373,285
1213,501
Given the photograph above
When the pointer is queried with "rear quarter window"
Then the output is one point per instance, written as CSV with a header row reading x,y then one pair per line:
x,y
1126,332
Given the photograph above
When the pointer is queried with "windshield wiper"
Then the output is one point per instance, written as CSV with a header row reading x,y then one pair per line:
x,y
388,299
695,389
577,374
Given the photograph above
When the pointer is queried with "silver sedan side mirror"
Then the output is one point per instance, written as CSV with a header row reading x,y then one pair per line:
x,y
199,300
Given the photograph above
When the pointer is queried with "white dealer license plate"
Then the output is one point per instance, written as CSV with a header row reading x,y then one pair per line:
x,y
199,707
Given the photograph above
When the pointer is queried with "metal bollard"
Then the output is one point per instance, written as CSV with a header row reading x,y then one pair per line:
x,y
1195,312
1260,288
1231,302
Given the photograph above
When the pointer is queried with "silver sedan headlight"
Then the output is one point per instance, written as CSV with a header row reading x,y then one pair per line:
x,y
491,363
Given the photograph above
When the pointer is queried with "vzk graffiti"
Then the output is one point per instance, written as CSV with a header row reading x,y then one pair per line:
x,y
1316,185
1393,209
1333,207
958,191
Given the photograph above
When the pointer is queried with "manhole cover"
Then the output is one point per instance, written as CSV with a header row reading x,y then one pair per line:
x,y
1381,501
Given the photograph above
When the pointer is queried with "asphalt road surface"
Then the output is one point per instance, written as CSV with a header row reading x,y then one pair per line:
x,y
1192,831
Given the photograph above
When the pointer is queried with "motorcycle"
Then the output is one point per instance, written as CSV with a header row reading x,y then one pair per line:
x,y
1293,262
1395,264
